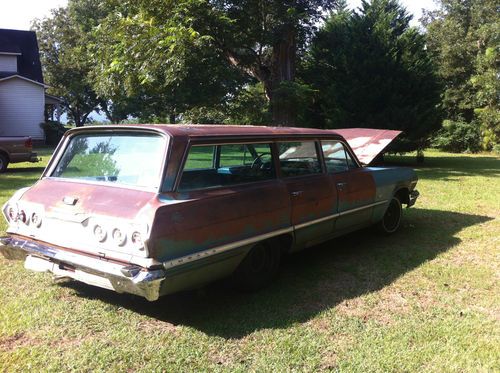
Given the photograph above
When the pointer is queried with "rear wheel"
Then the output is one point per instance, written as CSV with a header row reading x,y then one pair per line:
x,y
392,217
4,162
259,267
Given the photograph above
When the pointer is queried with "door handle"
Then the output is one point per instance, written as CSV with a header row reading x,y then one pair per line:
x,y
341,186
297,193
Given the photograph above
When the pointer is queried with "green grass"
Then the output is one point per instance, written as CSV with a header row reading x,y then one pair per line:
x,y
425,299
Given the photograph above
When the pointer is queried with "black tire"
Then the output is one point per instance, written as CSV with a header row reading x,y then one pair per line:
x,y
392,218
259,267
4,162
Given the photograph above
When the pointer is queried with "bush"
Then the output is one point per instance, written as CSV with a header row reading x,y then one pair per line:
x,y
54,131
458,137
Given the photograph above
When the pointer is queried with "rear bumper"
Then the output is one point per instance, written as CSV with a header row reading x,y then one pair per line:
x,y
413,197
24,157
90,270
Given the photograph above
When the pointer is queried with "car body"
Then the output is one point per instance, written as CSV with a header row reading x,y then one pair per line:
x,y
15,150
152,210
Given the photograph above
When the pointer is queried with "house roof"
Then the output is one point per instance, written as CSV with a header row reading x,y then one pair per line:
x,y
13,76
25,43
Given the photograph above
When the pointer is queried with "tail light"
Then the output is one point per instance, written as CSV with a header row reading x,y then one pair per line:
x,y
28,143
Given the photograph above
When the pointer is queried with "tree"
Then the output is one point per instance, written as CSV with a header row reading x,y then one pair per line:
x,y
162,43
371,69
463,37
66,64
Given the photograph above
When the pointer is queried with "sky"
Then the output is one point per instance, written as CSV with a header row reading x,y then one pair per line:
x,y
18,14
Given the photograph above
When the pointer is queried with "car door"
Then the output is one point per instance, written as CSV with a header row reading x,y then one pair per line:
x,y
354,185
225,195
312,194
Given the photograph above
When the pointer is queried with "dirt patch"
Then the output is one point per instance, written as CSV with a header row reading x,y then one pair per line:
x,y
15,341
151,325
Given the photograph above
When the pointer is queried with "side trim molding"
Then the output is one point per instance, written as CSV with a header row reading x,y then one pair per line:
x,y
248,241
333,216
220,249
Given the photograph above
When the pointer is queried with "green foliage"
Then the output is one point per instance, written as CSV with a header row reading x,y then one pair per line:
x,y
66,63
186,56
371,69
464,39
458,136
53,131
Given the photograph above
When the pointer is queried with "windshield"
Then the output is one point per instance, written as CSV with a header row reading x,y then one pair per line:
x,y
129,158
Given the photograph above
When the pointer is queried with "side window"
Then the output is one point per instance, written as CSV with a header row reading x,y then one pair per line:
x,y
337,159
298,158
200,157
224,165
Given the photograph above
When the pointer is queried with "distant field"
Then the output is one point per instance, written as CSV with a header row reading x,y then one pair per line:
x,y
424,300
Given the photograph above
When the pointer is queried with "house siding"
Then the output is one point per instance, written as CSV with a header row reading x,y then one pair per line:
x,y
21,108
8,63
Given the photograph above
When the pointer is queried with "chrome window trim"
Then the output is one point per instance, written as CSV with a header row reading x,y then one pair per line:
x,y
47,173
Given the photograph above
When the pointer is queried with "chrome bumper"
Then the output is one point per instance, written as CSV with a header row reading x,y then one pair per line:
x,y
413,197
90,270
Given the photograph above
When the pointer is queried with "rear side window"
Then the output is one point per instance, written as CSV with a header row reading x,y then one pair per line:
x,y
298,158
337,159
225,165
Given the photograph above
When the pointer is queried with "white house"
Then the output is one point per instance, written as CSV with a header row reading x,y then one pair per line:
x,y
22,90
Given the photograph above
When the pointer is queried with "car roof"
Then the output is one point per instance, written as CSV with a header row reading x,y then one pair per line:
x,y
218,130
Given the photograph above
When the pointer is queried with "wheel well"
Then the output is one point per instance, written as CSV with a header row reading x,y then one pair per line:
x,y
284,241
403,195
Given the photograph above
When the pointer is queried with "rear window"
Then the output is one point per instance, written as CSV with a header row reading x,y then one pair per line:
x,y
133,159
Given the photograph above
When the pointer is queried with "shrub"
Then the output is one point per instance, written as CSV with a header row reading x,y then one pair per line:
x,y
458,136
54,131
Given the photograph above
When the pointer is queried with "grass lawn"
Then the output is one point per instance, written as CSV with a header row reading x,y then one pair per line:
x,y
425,299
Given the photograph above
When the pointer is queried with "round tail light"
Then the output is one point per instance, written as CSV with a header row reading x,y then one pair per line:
x,y
36,220
99,233
12,213
119,237
137,239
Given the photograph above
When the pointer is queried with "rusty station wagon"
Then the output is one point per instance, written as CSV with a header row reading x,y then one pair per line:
x,y
152,210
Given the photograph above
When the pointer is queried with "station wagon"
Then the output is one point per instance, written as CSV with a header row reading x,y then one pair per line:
x,y
152,210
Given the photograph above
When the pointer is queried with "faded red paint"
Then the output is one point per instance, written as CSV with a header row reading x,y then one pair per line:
x,y
367,143
91,198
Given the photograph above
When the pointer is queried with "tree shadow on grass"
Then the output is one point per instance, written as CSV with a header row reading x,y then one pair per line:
x,y
310,282
24,170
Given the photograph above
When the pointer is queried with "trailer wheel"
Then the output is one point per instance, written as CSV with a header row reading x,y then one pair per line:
x,y
259,267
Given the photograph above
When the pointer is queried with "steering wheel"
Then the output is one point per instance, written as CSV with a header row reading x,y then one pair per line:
x,y
257,162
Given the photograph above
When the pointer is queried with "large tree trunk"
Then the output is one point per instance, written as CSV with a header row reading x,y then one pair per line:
x,y
282,71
